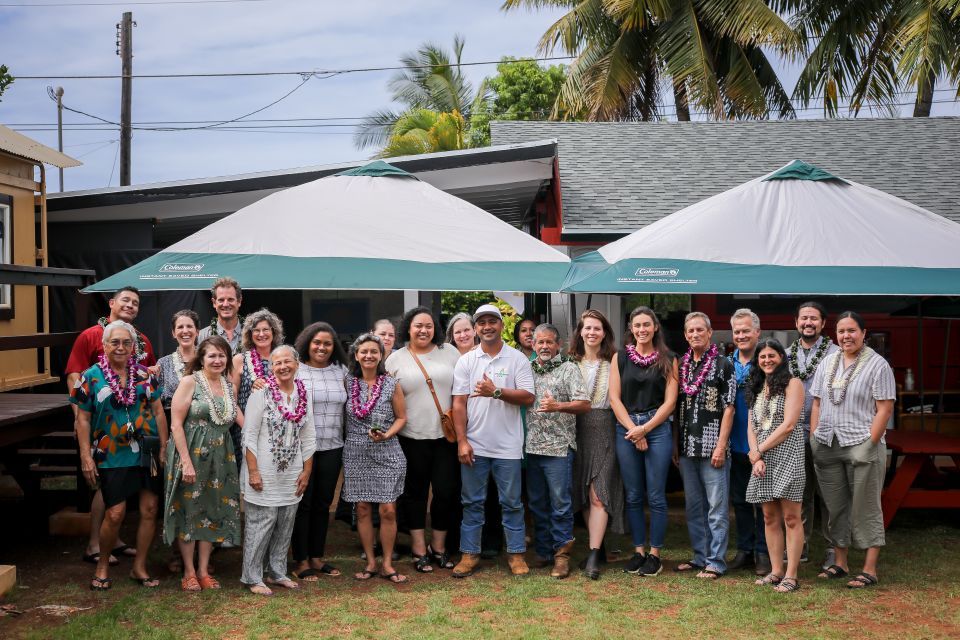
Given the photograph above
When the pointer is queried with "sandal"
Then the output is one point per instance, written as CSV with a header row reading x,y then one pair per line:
x,y
395,578
833,572
329,570
94,558
709,574
688,566
307,575
260,589
148,582
124,550
100,584
422,564
190,584
787,585
208,582
769,579
442,558
366,574
862,581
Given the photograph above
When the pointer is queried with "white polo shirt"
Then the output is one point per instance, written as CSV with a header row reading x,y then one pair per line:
x,y
494,427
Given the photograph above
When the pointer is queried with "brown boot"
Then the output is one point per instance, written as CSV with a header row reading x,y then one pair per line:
x,y
468,563
518,566
561,561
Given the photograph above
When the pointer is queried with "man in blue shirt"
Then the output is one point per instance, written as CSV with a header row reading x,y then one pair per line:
x,y
751,540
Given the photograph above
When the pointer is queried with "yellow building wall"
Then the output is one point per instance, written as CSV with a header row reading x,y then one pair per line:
x,y
20,368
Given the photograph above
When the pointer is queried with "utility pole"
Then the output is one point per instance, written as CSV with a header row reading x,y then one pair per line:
x,y
58,92
125,51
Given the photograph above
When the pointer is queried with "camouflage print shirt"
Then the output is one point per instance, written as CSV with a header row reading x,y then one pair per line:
x,y
554,433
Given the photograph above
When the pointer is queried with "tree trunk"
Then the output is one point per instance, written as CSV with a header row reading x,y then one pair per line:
x,y
925,97
680,100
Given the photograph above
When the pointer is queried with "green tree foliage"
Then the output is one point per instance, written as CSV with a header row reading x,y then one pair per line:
x,y
5,79
709,51
521,90
425,131
869,52
454,302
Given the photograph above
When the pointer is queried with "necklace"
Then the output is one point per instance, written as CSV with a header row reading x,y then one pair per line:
x,y
845,378
763,417
542,369
600,379
229,412
178,364
257,365
640,360
692,388
301,410
360,409
215,326
811,367
140,350
128,395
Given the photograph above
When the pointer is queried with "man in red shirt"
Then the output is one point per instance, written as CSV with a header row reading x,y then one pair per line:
x,y
124,305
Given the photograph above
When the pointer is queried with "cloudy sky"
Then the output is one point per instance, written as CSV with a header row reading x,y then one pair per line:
x,y
235,36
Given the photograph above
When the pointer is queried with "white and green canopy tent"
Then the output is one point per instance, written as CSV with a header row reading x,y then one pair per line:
x,y
375,227
798,230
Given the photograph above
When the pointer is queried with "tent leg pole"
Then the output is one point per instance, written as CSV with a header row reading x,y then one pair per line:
x,y
943,373
920,358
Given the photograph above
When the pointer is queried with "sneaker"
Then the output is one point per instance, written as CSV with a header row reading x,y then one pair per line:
x,y
651,566
635,563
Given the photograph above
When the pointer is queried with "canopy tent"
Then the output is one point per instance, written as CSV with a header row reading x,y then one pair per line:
x,y
798,230
375,227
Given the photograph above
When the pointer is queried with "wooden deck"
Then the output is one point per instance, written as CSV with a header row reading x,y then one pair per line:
x,y
28,415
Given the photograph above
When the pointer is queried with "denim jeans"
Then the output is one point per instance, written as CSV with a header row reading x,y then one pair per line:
x,y
645,479
473,493
751,535
550,497
707,492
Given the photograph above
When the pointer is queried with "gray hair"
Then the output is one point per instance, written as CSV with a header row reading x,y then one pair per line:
x,y
693,315
549,328
739,314
255,318
454,320
119,324
285,347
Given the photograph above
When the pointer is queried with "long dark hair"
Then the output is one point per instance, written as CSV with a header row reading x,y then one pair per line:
x,y
516,328
778,380
856,317
212,342
407,320
354,367
607,348
665,361
302,343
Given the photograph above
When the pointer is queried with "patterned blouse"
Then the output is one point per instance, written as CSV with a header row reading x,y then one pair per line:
x,y
554,433
699,415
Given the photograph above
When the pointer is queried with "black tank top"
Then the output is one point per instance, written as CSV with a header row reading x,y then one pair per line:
x,y
641,388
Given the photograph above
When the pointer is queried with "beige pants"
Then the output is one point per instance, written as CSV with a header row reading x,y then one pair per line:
x,y
851,479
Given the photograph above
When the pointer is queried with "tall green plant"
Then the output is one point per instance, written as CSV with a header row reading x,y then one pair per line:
x,y
5,79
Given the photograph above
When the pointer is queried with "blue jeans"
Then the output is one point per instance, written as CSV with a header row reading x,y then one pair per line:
x,y
707,491
473,494
549,495
645,479
751,535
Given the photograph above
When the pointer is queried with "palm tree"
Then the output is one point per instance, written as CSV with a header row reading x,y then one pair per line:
x,y
425,131
431,80
708,50
870,51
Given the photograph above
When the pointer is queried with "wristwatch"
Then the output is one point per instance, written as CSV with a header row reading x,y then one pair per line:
x,y
497,393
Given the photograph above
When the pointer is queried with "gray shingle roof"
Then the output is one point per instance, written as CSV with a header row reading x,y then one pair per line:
x,y
620,176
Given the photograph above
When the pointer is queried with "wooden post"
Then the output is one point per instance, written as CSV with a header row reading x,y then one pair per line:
x,y
126,94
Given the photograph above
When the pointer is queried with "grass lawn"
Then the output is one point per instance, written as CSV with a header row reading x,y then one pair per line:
x,y
918,598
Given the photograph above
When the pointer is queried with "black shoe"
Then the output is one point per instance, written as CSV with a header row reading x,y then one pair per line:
x,y
742,560
601,555
762,565
651,566
634,563
591,565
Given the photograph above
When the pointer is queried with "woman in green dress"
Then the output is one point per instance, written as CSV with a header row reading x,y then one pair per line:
x,y
202,504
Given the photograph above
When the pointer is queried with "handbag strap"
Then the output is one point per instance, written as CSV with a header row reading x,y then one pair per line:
x,y
426,376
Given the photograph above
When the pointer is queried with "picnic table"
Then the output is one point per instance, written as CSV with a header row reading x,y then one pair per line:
x,y
28,415
918,448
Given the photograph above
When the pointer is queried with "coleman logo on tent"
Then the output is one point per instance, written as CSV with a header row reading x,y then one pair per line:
x,y
179,267
657,272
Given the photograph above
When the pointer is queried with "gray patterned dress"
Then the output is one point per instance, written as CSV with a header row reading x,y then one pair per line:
x,y
372,471
785,476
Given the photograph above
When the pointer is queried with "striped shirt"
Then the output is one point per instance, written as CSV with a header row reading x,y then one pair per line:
x,y
850,420
328,395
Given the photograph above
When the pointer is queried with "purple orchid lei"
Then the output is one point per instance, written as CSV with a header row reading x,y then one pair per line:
x,y
128,395
297,415
691,389
362,409
641,360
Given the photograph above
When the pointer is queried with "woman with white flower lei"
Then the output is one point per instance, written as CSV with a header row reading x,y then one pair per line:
x,y
776,452
202,497
279,439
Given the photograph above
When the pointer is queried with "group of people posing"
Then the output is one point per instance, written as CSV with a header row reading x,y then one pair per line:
x,y
235,425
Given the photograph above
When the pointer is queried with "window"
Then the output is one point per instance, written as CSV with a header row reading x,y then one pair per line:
x,y
6,249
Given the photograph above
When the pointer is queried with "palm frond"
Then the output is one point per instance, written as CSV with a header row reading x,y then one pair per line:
x,y
374,130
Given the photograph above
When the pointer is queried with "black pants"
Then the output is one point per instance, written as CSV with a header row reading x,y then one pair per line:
x,y
313,514
430,463
751,536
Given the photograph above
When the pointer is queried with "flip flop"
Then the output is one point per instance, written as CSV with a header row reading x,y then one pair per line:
x,y
833,572
328,570
125,550
307,575
688,566
94,558
862,581
145,582
366,574
100,584
709,574
395,577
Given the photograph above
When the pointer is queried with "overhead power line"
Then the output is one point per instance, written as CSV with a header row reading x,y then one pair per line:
x,y
34,5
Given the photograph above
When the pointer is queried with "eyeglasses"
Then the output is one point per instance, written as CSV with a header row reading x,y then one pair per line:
x,y
120,343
